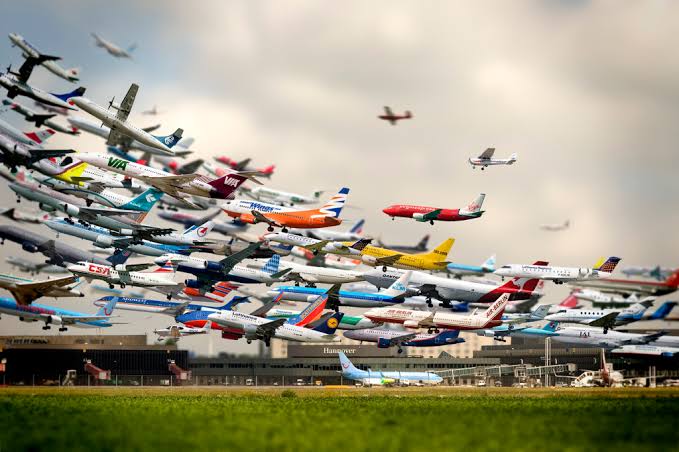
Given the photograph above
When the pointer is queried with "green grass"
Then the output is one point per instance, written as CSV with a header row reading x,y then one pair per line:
x,y
378,419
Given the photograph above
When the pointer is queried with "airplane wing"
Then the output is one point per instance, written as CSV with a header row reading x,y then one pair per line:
x,y
25,293
127,103
179,309
151,128
49,249
647,339
71,319
269,329
431,215
261,218
398,340
137,267
169,184
280,274
487,154
30,63
115,138
103,211
388,111
428,321
230,261
606,322
316,247
389,260
242,164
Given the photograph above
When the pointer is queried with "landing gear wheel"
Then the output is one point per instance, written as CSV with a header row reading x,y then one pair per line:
x,y
384,268
61,330
482,168
169,296
270,229
284,230
431,222
429,303
122,285
110,286
46,327
400,350
249,341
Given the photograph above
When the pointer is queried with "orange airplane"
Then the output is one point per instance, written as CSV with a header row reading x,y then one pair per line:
x,y
287,217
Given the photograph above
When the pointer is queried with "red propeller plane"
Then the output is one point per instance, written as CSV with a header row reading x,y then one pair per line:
x,y
394,118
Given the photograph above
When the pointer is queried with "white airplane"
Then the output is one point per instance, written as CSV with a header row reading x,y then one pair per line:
x,y
113,49
177,331
16,84
606,318
23,217
556,227
646,350
119,124
314,245
160,280
126,143
153,111
237,325
25,291
489,318
611,299
177,186
281,197
34,267
558,275
39,119
314,275
24,149
486,159
28,50
595,337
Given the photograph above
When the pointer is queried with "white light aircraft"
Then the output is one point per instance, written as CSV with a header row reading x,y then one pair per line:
x,y
486,159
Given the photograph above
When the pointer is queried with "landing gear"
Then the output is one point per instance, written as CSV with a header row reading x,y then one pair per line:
x,y
62,329
110,286
267,342
169,296
431,222
46,327
429,303
393,218
284,230
384,268
296,283
122,285
311,285
270,229
400,350
249,341
482,168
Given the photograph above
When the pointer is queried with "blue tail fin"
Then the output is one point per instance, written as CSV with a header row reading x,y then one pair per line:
x,y
663,310
233,303
119,257
75,93
333,207
170,140
107,309
347,365
551,327
272,265
145,201
358,227
330,325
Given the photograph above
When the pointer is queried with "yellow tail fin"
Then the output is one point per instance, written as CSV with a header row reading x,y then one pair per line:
x,y
600,262
440,253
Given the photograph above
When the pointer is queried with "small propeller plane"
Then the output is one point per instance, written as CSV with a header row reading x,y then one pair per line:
x,y
393,118
486,159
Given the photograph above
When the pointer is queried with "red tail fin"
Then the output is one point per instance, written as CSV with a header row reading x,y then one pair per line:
x,y
569,302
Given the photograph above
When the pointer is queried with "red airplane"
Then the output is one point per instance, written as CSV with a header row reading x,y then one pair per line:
x,y
431,214
393,118
244,165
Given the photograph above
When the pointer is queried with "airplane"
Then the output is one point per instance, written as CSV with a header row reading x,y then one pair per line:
x,y
588,336
348,322
177,186
124,143
376,256
237,325
244,165
33,267
646,350
34,139
607,299
77,174
284,217
656,272
539,313
153,111
316,246
160,280
23,217
558,275
28,50
609,318
281,197
420,247
386,338
113,49
119,124
460,270
175,309
379,377
177,331
486,159
394,294
25,291
556,227
103,238
394,118
16,84
24,149
189,220
447,289
436,320
125,222
207,273
57,253
431,214
313,275
57,316
39,119
628,286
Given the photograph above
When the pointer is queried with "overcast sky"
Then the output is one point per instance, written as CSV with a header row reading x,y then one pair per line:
x,y
584,92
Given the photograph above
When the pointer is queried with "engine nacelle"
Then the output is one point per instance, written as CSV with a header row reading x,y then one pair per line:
x,y
193,284
250,330
383,342
71,210
411,324
103,241
213,266
46,208
54,320
199,265
30,247
126,232
488,333
418,216
370,260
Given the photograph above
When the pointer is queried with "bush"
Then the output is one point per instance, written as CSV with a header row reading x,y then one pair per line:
x,y
289,393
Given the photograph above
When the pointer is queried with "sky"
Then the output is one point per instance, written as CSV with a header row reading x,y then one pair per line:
x,y
584,92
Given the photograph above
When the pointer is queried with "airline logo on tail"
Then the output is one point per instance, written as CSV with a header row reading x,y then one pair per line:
x,y
333,207
609,265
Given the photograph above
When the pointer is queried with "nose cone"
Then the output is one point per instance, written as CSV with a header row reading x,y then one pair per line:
x,y
350,334
389,210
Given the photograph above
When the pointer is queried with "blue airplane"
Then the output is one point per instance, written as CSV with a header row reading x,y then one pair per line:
x,y
172,308
660,313
57,316
459,270
372,377
500,332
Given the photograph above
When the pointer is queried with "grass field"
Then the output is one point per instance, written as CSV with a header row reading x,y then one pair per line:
x,y
383,420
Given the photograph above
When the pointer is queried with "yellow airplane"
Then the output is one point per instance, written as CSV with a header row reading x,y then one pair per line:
x,y
432,260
